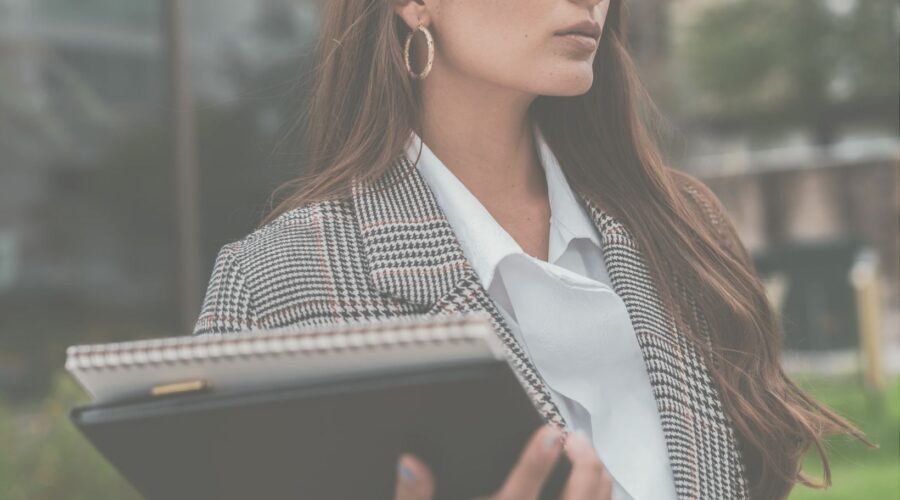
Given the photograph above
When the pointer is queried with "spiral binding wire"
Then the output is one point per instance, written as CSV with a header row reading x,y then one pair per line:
x,y
315,341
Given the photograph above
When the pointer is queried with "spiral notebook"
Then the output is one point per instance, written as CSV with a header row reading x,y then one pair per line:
x,y
271,358
317,412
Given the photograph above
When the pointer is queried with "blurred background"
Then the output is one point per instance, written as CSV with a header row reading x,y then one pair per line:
x,y
138,136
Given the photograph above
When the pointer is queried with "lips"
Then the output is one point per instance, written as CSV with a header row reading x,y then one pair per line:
x,y
583,44
582,33
586,28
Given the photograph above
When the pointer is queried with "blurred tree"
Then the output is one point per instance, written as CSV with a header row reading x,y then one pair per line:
x,y
766,65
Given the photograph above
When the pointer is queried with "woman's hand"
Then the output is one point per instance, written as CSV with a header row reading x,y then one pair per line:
x,y
589,479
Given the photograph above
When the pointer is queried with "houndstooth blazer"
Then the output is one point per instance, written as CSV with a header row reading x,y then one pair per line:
x,y
391,252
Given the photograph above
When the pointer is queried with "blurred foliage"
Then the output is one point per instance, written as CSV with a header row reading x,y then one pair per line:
x,y
45,457
766,65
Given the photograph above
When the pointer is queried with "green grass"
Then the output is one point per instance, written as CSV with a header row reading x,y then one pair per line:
x,y
45,458
857,472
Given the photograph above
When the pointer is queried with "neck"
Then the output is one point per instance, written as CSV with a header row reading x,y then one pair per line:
x,y
482,133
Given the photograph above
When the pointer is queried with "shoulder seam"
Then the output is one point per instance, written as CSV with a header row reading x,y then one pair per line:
x,y
297,215
253,318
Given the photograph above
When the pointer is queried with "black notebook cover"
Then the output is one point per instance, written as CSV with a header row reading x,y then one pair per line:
x,y
334,440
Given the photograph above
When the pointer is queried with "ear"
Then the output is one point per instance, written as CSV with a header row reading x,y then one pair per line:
x,y
412,12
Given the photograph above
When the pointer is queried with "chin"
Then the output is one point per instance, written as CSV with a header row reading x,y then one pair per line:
x,y
571,82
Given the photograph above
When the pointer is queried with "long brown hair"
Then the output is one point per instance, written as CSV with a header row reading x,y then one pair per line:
x,y
363,106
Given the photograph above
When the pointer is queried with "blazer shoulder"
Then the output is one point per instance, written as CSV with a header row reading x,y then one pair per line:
x,y
703,200
284,236
247,271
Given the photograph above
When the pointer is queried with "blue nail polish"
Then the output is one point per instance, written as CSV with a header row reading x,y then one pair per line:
x,y
405,473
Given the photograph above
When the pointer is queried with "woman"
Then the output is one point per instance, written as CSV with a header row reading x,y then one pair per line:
x,y
499,164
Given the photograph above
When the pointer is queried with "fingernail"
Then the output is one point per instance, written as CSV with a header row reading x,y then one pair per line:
x,y
405,471
551,438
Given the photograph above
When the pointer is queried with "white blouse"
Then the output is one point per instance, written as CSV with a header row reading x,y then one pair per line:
x,y
568,319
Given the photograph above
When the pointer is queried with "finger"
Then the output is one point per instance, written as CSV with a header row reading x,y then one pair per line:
x,y
606,485
414,479
534,465
589,479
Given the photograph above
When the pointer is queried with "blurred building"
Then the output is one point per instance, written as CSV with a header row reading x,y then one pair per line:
x,y
808,214
73,78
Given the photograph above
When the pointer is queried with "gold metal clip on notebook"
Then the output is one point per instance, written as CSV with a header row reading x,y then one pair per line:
x,y
180,387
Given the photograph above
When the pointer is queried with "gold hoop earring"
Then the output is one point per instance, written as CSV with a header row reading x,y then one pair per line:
x,y
430,40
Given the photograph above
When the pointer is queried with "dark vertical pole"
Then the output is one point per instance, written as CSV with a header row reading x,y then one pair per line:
x,y
185,164
776,207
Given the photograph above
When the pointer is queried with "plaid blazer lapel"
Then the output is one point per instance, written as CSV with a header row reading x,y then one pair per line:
x,y
700,440
414,255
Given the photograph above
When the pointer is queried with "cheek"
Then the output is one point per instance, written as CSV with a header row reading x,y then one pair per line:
x,y
495,40
600,12
500,54
526,61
